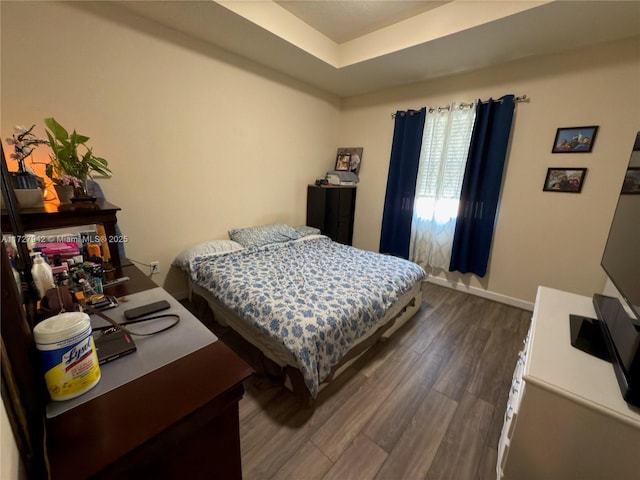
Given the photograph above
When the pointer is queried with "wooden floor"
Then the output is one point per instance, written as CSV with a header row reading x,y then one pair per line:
x,y
426,404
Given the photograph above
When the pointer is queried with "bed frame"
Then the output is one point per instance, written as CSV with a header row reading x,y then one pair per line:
x,y
277,358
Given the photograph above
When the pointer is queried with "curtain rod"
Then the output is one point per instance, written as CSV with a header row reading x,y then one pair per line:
x,y
521,98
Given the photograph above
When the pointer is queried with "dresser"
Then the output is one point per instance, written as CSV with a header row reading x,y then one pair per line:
x,y
565,418
54,215
331,208
168,410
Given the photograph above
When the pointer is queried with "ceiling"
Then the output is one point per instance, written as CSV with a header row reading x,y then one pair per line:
x,y
352,47
344,20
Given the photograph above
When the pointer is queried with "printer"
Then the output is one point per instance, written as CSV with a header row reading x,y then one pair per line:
x,y
337,177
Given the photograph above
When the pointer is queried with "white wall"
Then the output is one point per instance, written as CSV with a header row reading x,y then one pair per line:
x,y
199,141
541,238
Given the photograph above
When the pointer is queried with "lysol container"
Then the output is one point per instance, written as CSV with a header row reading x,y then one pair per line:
x,y
68,354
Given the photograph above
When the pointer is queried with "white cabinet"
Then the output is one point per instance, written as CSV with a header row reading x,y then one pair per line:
x,y
566,418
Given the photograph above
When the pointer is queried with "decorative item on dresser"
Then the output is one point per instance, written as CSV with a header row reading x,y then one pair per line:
x,y
331,208
68,166
25,183
565,416
64,192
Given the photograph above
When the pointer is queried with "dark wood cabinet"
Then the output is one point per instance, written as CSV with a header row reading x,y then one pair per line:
x,y
332,209
54,215
179,419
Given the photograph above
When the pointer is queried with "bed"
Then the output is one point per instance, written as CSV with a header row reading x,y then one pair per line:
x,y
310,305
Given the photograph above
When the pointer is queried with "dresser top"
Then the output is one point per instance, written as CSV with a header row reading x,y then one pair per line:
x,y
555,364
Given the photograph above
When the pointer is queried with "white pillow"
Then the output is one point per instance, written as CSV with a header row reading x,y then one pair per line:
x,y
212,247
305,230
264,234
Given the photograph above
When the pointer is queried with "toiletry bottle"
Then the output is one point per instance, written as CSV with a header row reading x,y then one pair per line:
x,y
42,274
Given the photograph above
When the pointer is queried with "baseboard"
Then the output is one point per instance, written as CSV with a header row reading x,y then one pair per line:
x,y
497,297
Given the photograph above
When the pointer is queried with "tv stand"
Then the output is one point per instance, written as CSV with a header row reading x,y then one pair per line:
x,y
565,417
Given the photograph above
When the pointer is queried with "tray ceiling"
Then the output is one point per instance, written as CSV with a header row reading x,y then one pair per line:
x,y
353,47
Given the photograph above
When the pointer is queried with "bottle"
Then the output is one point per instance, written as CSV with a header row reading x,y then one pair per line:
x,y
42,274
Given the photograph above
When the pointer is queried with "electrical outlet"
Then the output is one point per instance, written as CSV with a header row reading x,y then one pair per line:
x,y
155,267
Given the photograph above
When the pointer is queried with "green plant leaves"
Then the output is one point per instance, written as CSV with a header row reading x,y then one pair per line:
x,y
65,159
58,130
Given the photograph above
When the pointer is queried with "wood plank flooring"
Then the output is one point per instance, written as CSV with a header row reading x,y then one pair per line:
x,y
426,404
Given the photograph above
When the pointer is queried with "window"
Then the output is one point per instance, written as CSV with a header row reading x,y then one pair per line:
x,y
443,158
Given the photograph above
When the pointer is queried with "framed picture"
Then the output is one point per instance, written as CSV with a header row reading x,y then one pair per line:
x,y
564,180
342,162
355,159
575,139
631,183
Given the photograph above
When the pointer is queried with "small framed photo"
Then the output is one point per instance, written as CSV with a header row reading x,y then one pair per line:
x,y
354,155
342,162
631,184
575,139
564,180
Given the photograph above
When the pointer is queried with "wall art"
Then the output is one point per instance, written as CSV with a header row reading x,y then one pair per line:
x,y
575,139
568,180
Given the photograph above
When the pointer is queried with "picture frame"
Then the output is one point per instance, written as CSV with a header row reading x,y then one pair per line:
x,y
631,184
355,159
568,180
343,160
575,139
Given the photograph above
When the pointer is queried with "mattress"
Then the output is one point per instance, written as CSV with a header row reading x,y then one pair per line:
x,y
307,302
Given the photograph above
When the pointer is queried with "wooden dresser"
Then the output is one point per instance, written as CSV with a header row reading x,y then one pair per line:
x,y
179,420
176,419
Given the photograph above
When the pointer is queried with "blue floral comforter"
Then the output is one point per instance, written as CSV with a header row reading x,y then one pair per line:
x,y
314,296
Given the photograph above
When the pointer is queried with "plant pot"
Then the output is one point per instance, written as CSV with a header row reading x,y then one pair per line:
x,y
80,194
83,199
24,180
27,198
64,192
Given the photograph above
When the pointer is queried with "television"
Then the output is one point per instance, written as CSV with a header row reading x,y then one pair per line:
x,y
620,315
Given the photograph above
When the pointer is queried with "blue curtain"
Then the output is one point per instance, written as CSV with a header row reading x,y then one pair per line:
x,y
481,186
401,182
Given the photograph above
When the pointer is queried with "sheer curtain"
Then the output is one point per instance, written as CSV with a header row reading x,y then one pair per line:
x,y
443,157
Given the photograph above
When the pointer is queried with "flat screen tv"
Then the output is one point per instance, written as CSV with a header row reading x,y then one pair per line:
x,y
620,317
621,257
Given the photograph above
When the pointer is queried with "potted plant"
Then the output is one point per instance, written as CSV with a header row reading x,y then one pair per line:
x,y
68,166
26,184
24,142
